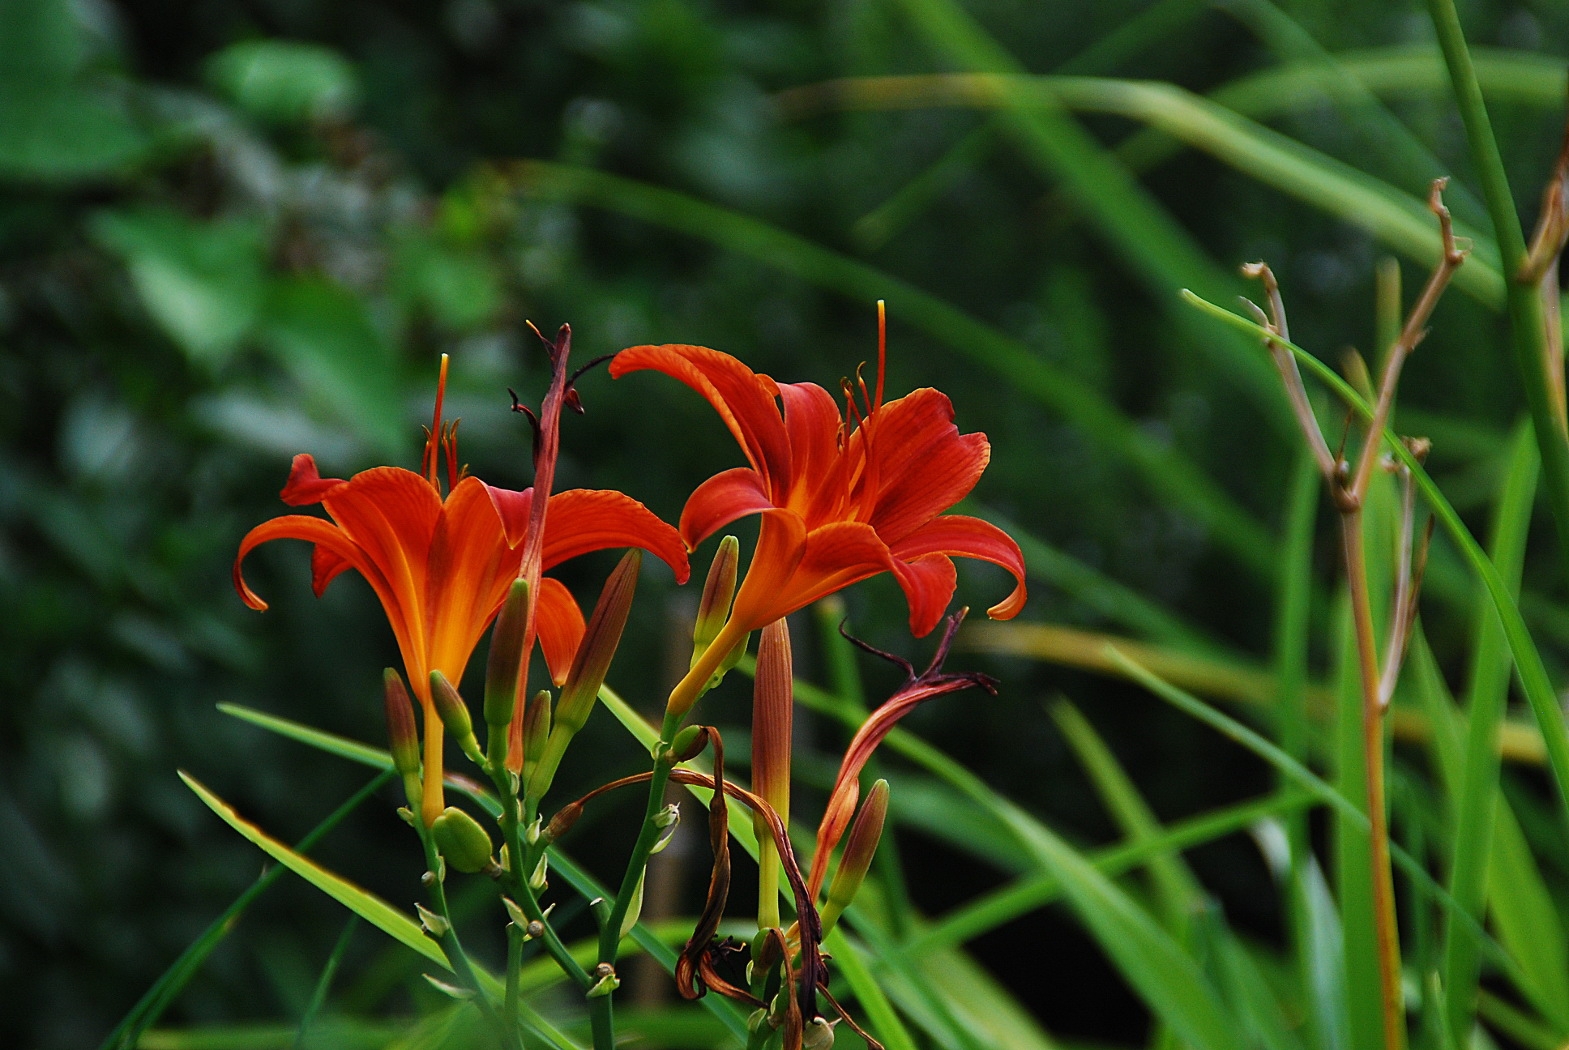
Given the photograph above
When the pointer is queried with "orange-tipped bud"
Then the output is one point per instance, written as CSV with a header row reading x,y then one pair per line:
x,y
599,644
859,849
462,842
454,715
402,737
773,710
501,670
401,734
718,592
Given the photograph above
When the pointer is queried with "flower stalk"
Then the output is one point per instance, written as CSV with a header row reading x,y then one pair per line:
x,y
1347,486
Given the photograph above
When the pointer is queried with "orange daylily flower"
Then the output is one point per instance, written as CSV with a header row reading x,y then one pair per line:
x,y
838,504
442,566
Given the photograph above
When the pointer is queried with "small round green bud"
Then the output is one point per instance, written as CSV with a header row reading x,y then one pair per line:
x,y
462,841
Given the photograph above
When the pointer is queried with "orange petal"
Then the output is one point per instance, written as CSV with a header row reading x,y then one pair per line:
x,y
744,399
560,627
306,485
781,543
513,508
812,422
962,536
723,498
923,464
928,584
837,555
324,534
469,568
581,520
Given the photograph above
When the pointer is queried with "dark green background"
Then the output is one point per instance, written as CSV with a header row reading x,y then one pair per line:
x,y
233,231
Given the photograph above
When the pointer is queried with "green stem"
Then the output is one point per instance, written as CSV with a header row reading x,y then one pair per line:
x,y
601,1008
462,969
514,970
522,862
1527,323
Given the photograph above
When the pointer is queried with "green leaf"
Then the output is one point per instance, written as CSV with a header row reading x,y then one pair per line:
x,y
1177,891
343,747
366,905
202,282
285,81
157,998
324,334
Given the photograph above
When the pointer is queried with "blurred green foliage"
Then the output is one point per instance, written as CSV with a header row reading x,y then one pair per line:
x,y
230,232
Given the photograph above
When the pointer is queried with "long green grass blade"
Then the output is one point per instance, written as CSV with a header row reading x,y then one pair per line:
x,y
1343,807
1177,892
331,743
1395,218
1152,244
1153,963
363,903
881,1017
1166,471
157,998
1488,693
324,982
1532,673
1030,892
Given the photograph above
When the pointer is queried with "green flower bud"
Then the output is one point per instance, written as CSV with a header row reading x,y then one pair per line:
x,y
718,592
600,640
501,670
402,737
455,715
462,842
537,723
859,848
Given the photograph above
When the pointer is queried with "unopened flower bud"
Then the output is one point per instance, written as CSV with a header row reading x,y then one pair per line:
x,y
718,592
600,640
402,737
501,670
536,729
562,822
455,715
687,745
462,842
434,924
859,848
818,1035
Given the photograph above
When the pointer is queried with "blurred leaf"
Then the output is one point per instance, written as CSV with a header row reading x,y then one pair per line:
x,y
285,81
201,281
52,127
459,288
324,333
366,905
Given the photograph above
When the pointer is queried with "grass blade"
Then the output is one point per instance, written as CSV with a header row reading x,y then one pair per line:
x,y
152,1004
1476,797
363,903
